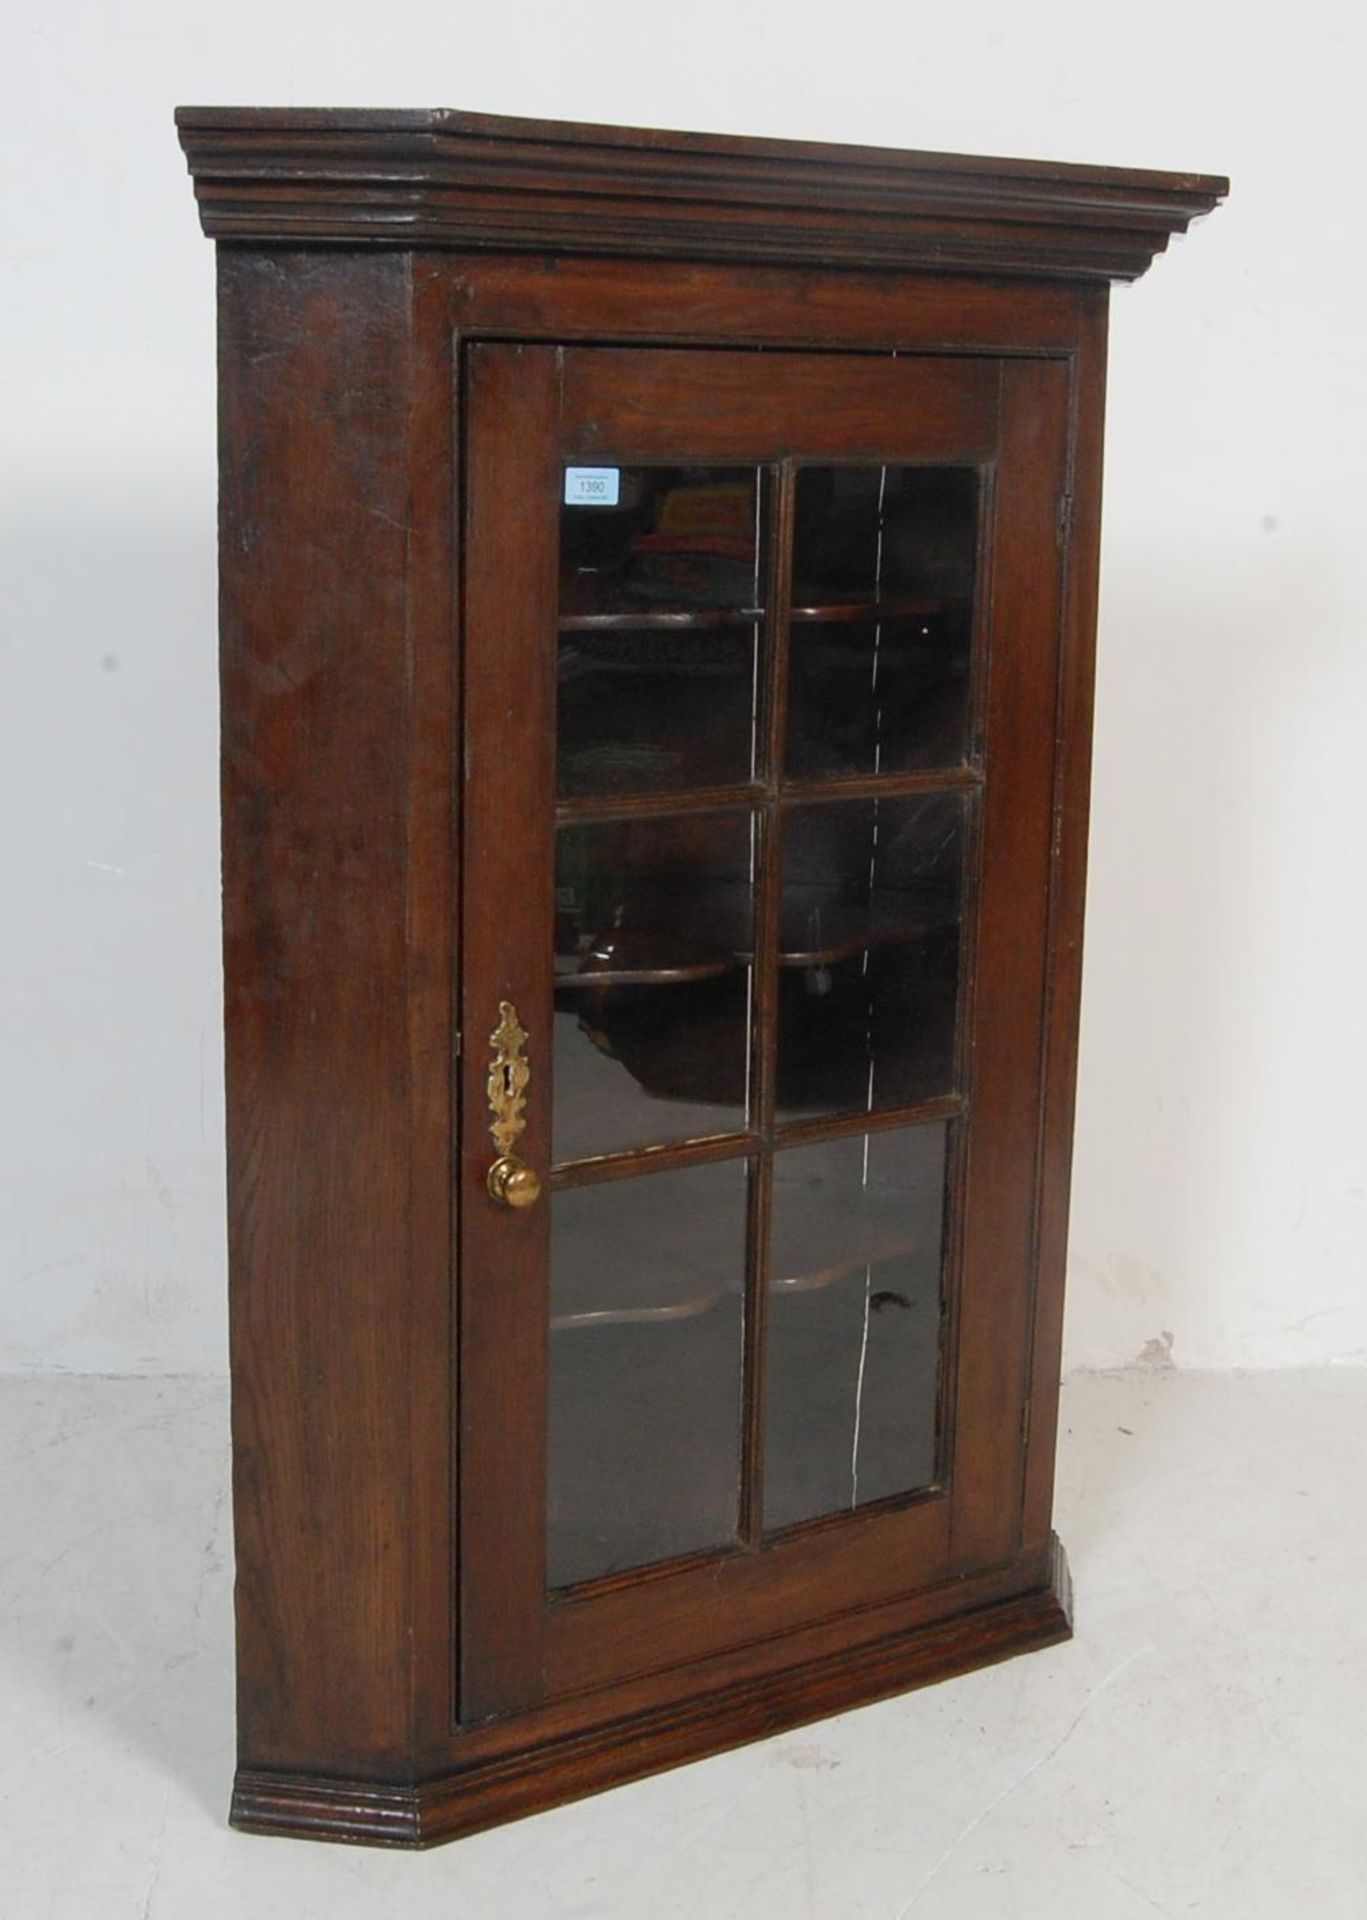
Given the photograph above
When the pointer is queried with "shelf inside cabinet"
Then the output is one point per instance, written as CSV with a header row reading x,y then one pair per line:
x,y
850,610
641,960
659,619
663,1296
868,610
810,937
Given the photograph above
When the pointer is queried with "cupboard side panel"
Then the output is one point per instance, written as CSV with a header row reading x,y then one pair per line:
x,y
1010,969
1068,886
314,509
432,800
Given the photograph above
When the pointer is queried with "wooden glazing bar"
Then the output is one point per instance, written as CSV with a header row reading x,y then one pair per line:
x,y
764,989
802,1133
680,1153
588,809
884,786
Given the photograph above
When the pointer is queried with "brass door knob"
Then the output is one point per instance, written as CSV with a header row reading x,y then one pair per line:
x,y
513,1183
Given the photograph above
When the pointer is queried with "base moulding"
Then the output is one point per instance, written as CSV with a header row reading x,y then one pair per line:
x,y
489,1792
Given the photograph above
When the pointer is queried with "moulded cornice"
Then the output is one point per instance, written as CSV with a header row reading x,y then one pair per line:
x,y
474,181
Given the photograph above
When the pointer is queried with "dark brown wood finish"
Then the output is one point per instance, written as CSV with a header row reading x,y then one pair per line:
x,y
649,404
402,1678
512,400
1067,891
434,720
321,1006
646,405
464,179
1005,1017
492,1788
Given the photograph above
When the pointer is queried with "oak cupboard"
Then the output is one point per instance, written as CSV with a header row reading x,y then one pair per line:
x,y
658,587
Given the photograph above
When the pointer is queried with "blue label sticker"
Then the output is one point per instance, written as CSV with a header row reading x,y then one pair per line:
x,y
592,486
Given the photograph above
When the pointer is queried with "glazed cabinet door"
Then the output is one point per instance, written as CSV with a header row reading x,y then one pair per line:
x,y
760,674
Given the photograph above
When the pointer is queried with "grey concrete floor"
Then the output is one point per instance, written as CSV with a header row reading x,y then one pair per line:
x,y
1198,1749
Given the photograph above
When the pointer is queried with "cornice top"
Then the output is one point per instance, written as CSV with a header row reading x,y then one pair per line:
x,y
439,178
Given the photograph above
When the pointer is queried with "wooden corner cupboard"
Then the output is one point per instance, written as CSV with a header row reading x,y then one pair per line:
x,y
658,590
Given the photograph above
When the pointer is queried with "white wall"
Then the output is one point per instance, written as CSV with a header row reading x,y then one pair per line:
x,y
1221,1191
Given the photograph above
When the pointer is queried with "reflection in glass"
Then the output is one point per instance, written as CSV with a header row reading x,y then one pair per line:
x,y
901,532
660,571
882,698
644,709
869,953
660,682
879,653
652,981
854,1317
647,1291
672,539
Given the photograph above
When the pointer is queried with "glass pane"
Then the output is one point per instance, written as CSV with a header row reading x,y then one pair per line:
x,y
869,953
647,1297
854,1317
644,710
879,651
660,571
652,981
659,540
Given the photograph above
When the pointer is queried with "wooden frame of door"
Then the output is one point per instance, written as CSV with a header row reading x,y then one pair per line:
x,y
529,409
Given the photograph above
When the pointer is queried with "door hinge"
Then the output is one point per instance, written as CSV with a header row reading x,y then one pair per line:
x,y
1065,518
460,1042
1025,1425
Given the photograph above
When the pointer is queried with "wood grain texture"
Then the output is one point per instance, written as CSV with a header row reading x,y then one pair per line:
x,y
1005,1012
508,867
591,1711
664,301
511,1785
434,721
529,409
477,180
641,405
1067,895
315,613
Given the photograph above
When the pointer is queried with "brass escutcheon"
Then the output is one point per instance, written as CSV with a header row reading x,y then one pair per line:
x,y
509,1180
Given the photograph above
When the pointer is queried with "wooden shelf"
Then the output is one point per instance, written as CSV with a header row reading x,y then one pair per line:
x,y
641,1313
586,975
602,1313
837,935
850,611
660,619
799,947
864,611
